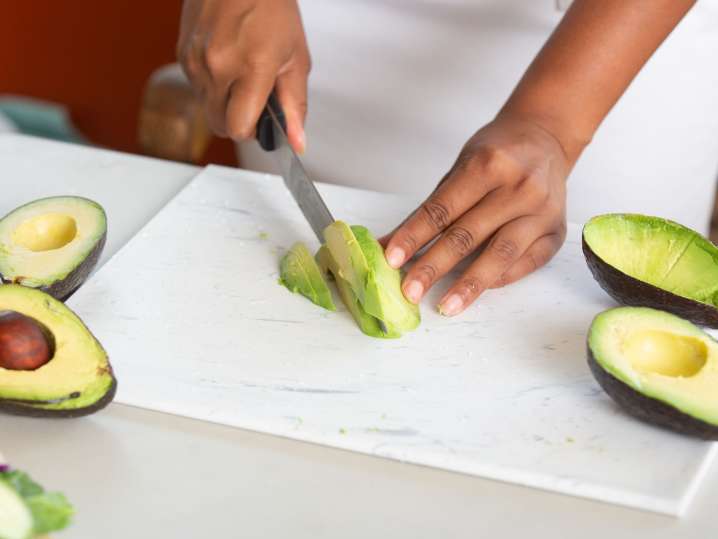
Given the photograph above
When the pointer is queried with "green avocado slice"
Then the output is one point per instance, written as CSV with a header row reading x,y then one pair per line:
x,y
52,244
78,379
658,366
368,324
300,274
377,286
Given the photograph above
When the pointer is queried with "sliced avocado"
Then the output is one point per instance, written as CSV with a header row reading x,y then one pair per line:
x,y
369,324
52,244
659,367
653,262
78,379
377,286
300,274
15,517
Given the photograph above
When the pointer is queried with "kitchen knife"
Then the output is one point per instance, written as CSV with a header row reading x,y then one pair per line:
x,y
272,137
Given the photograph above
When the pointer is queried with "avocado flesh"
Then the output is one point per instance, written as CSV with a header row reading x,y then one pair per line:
x,y
52,244
300,273
377,286
368,324
78,380
659,252
660,367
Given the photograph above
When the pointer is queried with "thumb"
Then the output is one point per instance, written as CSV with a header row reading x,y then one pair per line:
x,y
292,93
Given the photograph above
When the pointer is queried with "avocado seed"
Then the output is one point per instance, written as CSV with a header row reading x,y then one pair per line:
x,y
23,344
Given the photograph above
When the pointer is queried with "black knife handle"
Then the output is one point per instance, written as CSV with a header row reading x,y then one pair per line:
x,y
265,132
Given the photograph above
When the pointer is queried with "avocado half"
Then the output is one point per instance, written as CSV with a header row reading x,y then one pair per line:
x,y
658,367
52,244
78,380
653,262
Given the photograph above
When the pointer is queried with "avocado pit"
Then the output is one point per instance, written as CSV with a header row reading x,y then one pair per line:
x,y
24,343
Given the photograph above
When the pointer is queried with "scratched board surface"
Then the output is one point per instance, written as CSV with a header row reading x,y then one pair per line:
x,y
196,325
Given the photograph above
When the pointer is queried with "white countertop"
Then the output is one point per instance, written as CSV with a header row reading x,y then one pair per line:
x,y
134,473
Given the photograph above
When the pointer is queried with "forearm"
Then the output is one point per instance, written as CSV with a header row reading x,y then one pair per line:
x,y
588,62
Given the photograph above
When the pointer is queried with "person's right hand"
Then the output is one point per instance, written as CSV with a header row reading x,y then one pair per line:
x,y
235,52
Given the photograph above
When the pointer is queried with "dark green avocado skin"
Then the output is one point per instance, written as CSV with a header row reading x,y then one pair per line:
x,y
648,409
30,408
62,290
628,290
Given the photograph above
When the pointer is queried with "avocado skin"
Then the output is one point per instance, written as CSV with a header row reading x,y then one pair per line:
x,y
648,409
30,409
62,290
628,290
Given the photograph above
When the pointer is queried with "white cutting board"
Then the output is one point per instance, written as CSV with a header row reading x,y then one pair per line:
x,y
196,325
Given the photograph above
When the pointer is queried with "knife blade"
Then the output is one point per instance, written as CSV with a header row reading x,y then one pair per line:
x,y
272,136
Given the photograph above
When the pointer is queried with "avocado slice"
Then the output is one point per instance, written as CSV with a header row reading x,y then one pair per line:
x,y
78,380
653,262
368,324
659,367
361,262
52,244
300,274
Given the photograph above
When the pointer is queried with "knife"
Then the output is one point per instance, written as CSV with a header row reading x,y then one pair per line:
x,y
272,137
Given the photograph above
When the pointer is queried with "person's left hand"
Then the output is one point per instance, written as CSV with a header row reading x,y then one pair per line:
x,y
504,198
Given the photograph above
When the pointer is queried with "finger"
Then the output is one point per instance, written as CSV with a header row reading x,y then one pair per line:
x,y
291,89
537,255
465,188
504,249
462,239
248,96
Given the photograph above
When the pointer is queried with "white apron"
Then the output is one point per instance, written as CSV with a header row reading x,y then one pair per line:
x,y
398,86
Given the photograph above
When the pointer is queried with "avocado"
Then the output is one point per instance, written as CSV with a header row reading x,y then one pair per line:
x,y
300,274
659,367
52,244
368,324
76,381
653,262
377,286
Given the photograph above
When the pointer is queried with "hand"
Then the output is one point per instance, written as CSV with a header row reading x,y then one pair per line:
x,y
235,51
504,198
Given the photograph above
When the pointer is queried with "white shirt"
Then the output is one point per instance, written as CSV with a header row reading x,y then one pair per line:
x,y
398,86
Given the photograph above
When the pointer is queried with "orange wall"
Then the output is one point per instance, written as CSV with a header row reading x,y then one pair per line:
x,y
92,55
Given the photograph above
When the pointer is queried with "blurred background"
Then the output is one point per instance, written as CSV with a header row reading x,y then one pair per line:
x,y
105,85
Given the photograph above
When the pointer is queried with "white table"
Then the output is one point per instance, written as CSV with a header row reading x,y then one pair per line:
x,y
134,473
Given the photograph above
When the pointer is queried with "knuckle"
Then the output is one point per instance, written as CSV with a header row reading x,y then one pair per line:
x,y
216,58
471,286
239,131
426,273
460,240
436,214
535,188
258,63
504,248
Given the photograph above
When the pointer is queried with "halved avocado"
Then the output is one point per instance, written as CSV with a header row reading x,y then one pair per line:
x,y
78,379
52,244
300,274
659,367
368,324
653,262
361,262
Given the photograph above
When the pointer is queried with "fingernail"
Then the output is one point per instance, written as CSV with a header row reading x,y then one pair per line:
x,y
302,142
395,257
452,306
413,291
